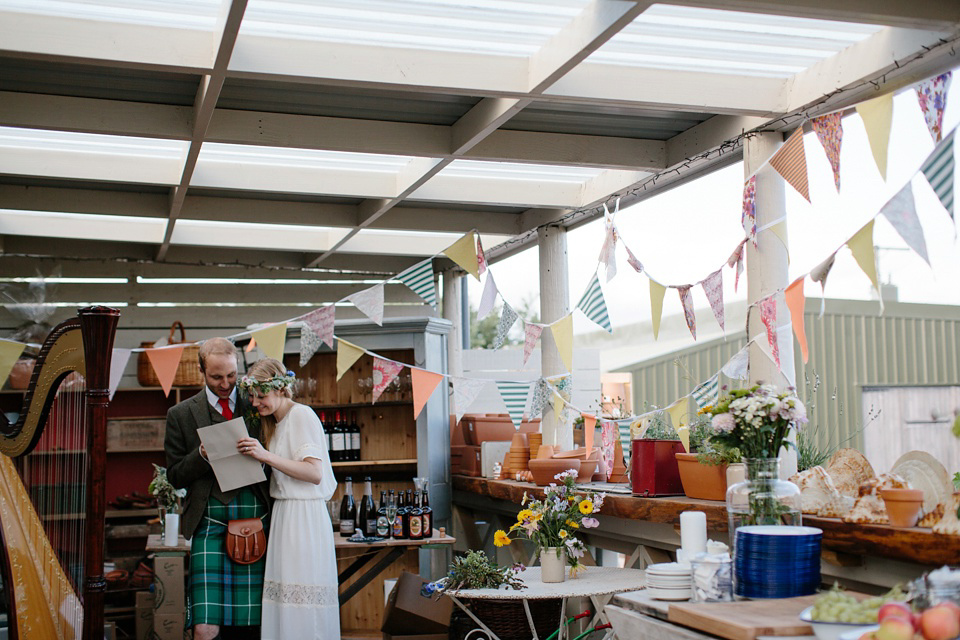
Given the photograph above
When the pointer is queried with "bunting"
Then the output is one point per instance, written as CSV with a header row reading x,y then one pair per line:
x,y
688,314
677,412
9,354
790,162
938,169
424,383
271,340
464,253
514,395
819,274
657,291
384,371
317,329
118,362
370,302
632,260
713,288
932,95
735,261
901,212
737,367
419,278
507,318
531,333
489,297
539,398
594,306
347,354
562,331
707,393
608,251
829,130
589,429
861,245
481,259
795,302
768,315
609,433
748,216
465,391
877,115
164,361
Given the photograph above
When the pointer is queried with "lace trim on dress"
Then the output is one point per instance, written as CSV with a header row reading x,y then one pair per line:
x,y
302,594
308,450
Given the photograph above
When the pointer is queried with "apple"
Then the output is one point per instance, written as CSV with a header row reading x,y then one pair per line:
x,y
940,622
895,628
898,609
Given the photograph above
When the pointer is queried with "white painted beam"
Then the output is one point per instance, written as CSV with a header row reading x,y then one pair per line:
x,y
598,189
709,135
484,118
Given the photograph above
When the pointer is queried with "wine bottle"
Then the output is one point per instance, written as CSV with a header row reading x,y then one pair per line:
x,y
338,440
327,432
398,521
408,500
348,511
415,518
427,515
355,435
383,522
367,519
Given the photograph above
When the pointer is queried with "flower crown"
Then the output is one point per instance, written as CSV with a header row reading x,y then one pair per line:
x,y
276,383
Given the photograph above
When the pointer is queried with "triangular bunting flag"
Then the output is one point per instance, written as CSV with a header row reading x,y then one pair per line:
x,y
424,382
481,259
347,354
678,411
488,298
707,393
713,288
558,403
768,315
829,130
861,245
464,253
539,398
370,302
735,261
609,434
271,340
594,306
938,169
384,371
686,300
317,329
250,345
118,363
932,95
531,333
419,278
507,318
589,427
562,331
165,361
819,274
877,115
632,260
795,303
737,366
608,251
514,395
9,353
748,214
656,305
901,212
790,162
310,342
465,391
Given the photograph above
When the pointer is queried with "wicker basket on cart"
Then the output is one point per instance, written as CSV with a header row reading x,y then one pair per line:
x,y
506,618
188,371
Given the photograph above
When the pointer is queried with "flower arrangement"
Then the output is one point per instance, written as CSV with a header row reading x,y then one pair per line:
x,y
475,571
276,383
554,521
168,498
756,420
702,442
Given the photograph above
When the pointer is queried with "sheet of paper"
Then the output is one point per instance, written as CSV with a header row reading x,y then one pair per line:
x,y
232,468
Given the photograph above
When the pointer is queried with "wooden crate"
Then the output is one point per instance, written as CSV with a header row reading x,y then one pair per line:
x,y
135,435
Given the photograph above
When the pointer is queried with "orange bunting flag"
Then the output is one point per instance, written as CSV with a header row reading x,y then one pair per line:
x,y
589,426
424,384
165,361
790,162
795,303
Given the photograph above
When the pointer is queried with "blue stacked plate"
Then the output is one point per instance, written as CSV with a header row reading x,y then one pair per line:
x,y
776,561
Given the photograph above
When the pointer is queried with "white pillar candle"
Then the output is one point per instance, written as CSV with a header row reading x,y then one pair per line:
x,y
693,533
171,529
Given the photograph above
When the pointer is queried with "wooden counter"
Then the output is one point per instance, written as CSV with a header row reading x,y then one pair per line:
x,y
912,545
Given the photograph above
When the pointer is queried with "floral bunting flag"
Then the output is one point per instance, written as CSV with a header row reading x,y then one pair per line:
x,y
657,291
310,343
384,371
609,433
539,398
687,301
795,302
768,315
829,130
481,259
748,216
735,261
737,366
562,331
901,212
861,246
707,393
877,116
271,340
424,383
514,395
790,162
932,95
464,253
465,391
419,278
938,169
713,288
594,306
531,333
370,302
489,297
319,324
507,318
819,274
632,260
347,354
608,251
118,362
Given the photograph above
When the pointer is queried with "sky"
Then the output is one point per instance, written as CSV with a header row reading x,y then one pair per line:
x,y
684,234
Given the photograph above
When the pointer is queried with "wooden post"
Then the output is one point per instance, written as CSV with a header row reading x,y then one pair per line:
x,y
767,272
554,304
452,281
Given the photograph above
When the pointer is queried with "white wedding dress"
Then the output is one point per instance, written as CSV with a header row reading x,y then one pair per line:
x,y
300,581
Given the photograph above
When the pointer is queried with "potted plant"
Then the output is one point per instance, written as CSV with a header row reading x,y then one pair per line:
x,y
168,501
703,470
653,462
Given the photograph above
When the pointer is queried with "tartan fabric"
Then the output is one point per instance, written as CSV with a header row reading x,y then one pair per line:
x,y
221,591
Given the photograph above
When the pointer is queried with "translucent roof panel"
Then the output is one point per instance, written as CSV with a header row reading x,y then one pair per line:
x,y
712,40
268,236
406,243
48,224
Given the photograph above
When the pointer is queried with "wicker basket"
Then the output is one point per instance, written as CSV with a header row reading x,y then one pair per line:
x,y
507,619
188,372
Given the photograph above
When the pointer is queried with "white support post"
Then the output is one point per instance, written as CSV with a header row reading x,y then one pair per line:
x,y
554,304
452,281
767,272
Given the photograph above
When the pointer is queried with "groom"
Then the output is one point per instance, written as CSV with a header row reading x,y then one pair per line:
x,y
222,593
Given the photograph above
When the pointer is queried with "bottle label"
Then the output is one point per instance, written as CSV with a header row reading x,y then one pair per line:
x,y
415,527
348,526
397,528
383,527
371,527
355,440
427,530
338,442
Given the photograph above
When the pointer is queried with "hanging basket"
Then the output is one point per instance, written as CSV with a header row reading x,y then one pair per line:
x,y
188,371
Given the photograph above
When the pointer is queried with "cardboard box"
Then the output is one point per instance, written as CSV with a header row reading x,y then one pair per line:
x,y
168,578
409,613
168,626
143,615
135,435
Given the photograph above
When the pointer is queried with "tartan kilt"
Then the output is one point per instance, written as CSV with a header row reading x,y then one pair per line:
x,y
223,592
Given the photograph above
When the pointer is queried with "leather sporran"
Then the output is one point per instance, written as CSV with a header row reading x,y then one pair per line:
x,y
246,540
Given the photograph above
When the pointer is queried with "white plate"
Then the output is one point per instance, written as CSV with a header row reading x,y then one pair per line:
x,y
669,569
779,530
854,634
669,594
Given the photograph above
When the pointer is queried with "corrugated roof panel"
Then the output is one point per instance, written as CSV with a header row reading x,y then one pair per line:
x,y
593,120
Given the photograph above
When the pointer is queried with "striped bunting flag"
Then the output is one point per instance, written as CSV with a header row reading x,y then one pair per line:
x,y
514,395
594,306
419,278
938,169
790,161
708,392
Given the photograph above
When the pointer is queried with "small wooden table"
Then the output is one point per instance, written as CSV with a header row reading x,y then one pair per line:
x,y
385,552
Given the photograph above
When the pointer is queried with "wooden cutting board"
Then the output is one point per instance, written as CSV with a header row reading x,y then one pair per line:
x,y
745,620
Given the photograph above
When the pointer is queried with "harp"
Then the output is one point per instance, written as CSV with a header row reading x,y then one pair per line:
x,y
52,497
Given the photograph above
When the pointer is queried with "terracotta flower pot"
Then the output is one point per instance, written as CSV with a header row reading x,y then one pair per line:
x,y
544,470
702,481
903,506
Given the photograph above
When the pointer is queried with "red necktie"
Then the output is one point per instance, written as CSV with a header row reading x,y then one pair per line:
x,y
225,408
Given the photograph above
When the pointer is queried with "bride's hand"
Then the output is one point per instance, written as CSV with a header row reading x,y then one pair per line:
x,y
251,447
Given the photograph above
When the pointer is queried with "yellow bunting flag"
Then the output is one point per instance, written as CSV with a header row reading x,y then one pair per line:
x,y
656,305
9,352
684,433
589,426
677,411
562,331
464,253
861,245
877,115
558,404
424,383
347,354
271,340
795,302
165,361
790,161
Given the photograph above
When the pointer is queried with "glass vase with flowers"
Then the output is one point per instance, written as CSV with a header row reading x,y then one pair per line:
x,y
168,502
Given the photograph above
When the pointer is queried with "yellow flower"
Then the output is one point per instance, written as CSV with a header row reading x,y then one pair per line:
x,y
525,514
586,507
501,539
563,534
572,524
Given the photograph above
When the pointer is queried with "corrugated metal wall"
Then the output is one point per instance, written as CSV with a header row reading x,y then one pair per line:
x,y
852,346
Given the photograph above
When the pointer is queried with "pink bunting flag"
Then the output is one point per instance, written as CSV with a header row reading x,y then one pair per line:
x,y
829,130
790,161
384,371
424,383
481,259
748,217
768,315
713,287
795,302
932,95
736,261
609,433
321,322
632,260
687,301
531,335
